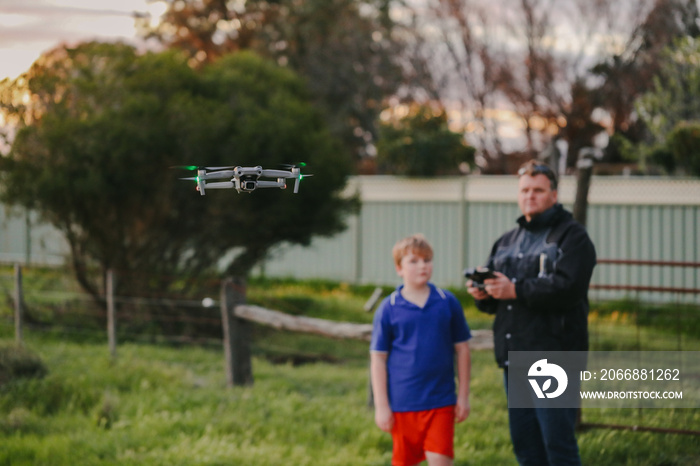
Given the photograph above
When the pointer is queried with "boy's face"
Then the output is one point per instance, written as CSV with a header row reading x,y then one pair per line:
x,y
415,269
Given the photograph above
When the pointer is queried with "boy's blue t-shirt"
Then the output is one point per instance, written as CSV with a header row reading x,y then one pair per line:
x,y
420,346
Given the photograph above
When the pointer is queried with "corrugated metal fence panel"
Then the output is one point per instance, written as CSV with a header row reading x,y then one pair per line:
x,y
628,218
13,244
647,233
486,222
363,252
612,234
331,258
634,219
384,223
24,239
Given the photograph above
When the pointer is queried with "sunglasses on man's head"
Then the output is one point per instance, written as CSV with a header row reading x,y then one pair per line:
x,y
536,170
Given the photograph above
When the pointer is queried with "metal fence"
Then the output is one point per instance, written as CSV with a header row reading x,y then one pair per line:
x,y
655,220
629,219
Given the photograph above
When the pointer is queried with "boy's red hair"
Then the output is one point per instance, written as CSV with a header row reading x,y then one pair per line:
x,y
416,244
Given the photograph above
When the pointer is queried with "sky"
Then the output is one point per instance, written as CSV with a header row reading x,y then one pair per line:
x,y
30,27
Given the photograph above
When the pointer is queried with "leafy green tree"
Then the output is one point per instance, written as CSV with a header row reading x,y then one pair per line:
x,y
670,110
625,76
99,127
684,146
421,144
668,101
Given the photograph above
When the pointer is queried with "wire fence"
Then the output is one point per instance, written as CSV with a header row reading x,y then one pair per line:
x,y
635,323
190,314
52,302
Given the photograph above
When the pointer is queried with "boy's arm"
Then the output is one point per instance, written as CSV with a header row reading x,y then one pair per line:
x,y
464,364
383,416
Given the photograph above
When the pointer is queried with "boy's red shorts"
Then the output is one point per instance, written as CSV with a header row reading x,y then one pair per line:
x,y
416,432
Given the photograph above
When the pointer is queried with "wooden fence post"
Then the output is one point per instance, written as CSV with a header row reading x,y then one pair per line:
x,y
239,368
19,300
369,307
111,315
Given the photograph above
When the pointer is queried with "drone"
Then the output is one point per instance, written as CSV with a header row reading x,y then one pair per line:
x,y
244,179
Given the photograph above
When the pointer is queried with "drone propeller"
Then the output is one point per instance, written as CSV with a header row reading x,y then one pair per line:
x,y
185,167
289,166
201,171
298,179
296,170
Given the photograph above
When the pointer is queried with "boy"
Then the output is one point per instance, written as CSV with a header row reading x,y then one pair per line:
x,y
417,331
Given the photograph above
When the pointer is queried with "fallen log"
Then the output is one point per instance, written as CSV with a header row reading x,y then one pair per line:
x,y
481,339
283,321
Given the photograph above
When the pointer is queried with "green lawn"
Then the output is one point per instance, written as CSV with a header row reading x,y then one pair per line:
x,y
164,406
167,404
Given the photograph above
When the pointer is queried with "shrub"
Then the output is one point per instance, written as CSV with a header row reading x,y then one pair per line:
x,y
18,362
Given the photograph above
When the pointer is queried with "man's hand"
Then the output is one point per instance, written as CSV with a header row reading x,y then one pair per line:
x,y
477,293
500,287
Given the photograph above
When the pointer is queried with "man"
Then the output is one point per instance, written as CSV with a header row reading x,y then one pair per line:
x,y
543,270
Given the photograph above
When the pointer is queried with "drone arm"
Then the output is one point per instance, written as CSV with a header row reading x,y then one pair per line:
x,y
217,175
220,185
277,173
200,181
280,183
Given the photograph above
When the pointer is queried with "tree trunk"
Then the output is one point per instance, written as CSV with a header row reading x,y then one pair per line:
x,y
583,183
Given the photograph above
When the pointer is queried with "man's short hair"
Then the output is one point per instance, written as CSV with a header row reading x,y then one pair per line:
x,y
533,167
416,244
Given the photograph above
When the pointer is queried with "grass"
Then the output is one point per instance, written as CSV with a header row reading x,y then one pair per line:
x,y
628,325
167,404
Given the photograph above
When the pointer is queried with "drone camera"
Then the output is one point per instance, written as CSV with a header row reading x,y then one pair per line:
x,y
477,275
249,185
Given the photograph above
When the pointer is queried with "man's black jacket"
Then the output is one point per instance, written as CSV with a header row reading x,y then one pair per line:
x,y
550,259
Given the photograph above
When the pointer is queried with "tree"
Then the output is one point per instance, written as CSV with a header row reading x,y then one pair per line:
x,y
669,110
99,125
520,70
352,54
421,144
669,100
684,145
631,72
513,68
